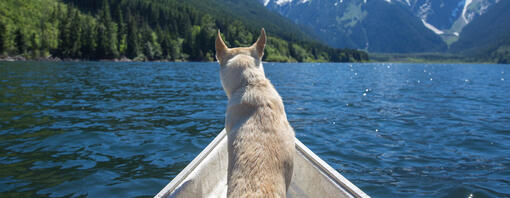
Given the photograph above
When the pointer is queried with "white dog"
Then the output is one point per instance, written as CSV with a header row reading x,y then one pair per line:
x,y
260,139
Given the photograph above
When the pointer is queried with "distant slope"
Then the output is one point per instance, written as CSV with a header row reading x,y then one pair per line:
x,y
172,30
487,37
373,25
392,28
251,14
448,17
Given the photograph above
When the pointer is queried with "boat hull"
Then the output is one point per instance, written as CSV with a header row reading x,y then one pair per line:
x,y
206,175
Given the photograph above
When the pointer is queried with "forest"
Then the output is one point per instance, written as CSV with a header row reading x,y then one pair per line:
x,y
140,30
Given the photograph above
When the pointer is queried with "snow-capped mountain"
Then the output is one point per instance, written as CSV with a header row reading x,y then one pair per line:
x,y
448,17
383,25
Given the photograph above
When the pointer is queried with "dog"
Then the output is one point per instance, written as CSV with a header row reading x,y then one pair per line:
x,y
261,143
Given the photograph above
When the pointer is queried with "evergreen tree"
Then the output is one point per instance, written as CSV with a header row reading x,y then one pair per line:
x,y
132,39
34,47
3,33
64,40
75,30
20,41
121,29
107,37
88,39
44,44
155,29
102,42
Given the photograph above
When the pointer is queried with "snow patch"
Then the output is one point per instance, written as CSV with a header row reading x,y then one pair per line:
x,y
424,10
431,27
282,2
466,4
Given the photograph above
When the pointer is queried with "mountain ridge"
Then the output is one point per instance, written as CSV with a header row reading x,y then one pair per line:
x,y
359,24
346,24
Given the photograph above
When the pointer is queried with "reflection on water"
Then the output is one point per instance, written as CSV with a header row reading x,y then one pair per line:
x,y
126,129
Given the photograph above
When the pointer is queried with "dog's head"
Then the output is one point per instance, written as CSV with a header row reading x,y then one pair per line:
x,y
241,65
256,51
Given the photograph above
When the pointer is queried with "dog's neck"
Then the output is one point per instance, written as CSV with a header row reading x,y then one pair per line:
x,y
239,72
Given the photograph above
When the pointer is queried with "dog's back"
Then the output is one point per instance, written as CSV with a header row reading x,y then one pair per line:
x,y
260,139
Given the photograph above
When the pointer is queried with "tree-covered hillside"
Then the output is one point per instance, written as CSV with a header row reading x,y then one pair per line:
x,y
146,30
487,37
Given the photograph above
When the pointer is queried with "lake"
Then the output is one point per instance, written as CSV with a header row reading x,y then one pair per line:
x,y
105,129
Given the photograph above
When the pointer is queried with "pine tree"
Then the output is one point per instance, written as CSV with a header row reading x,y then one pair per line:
x,y
34,47
107,36
102,47
121,29
75,30
20,41
88,39
132,39
3,33
43,36
64,40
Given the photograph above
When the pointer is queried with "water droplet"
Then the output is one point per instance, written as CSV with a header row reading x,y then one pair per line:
x,y
364,94
466,80
502,79
419,81
376,130
430,79
424,71
355,74
334,122
366,90
389,67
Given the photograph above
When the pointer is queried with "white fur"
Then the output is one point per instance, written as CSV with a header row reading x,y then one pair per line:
x,y
260,139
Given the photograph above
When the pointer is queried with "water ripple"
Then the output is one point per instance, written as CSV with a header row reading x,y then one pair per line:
x,y
104,129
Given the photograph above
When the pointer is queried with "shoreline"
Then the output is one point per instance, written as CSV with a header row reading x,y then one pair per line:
x,y
57,59
127,60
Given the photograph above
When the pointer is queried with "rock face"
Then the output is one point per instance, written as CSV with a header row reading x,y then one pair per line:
x,y
383,25
450,15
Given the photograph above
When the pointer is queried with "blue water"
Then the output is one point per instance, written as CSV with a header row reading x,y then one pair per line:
x,y
126,129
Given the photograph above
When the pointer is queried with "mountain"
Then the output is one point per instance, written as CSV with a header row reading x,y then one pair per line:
x,y
175,30
447,18
373,25
487,37
394,26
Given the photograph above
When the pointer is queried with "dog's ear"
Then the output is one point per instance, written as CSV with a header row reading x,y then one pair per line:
x,y
261,43
221,48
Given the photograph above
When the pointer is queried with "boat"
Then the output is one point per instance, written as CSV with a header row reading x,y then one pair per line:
x,y
206,176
